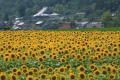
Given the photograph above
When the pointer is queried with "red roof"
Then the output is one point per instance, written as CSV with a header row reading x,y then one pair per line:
x,y
66,26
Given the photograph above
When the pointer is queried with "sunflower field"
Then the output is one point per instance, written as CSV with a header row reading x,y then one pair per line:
x,y
59,55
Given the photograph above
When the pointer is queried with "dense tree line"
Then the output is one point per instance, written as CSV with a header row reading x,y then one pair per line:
x,y
106,11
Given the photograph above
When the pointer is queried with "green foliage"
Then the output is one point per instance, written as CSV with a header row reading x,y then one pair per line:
x,y
89,29
109,20
96,10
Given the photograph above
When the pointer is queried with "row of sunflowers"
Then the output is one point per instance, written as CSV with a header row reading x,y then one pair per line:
x,y
59,55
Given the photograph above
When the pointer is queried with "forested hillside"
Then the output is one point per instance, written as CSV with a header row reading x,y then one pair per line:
x,y
106,11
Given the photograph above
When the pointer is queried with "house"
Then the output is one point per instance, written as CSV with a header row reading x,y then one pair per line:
x,y
81,24
113,14
81,14
40,12
39,22
51,25
5,23
66,26
2,23
88,25
45,12
18,24
38,25
4,28
45,19
94,25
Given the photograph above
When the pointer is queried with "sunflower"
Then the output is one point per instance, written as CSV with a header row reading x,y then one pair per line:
x,y
104,66
67,56
12,56
90,75
114,64
3,76
91,58
84,57
83,48
68,66
0,70
13,77
110,55
98,49
33,55
44,56
82,75
50,56
91,78
30,72
119,53
18,57
96,58
54,57
81,68
62,78
109,68
42,52
50,70
62,60
18,72
114,54
36,78
6,58
1,49
104,72
115,49
73,55
112,76
35,70
1,55
105,54
118,71
97,72
24,71
24,58
14,70
29,77
42,67
62,69
40,59
113,70
54,77
92,67
78,56
43,76
99,56
72,76
26,53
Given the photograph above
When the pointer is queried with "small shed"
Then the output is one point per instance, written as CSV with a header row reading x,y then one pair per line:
x,y
94,25
66,26
38,25
81,24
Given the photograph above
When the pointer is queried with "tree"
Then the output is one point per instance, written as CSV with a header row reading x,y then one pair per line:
x,y
5,17
95,10
106,19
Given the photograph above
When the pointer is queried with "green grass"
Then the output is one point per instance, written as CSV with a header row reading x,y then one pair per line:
x,y
88,29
